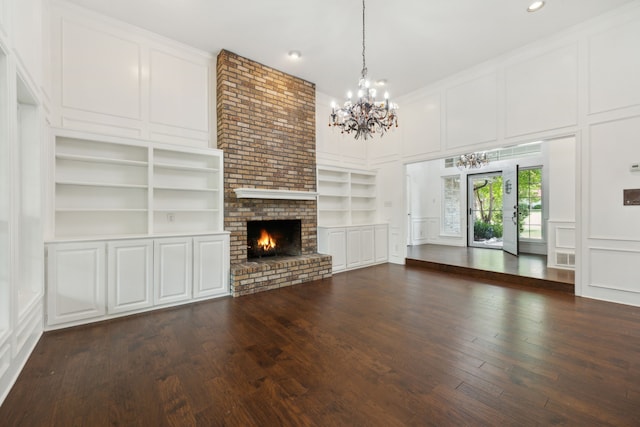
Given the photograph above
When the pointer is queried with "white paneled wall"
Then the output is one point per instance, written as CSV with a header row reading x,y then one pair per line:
x,y
542,92
333,147
119,80
472,112
27,37
421,126
612,147
614,67
4,18
178,93
100,73
584,82
21,141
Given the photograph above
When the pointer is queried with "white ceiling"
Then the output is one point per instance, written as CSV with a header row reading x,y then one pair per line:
x,y
411,43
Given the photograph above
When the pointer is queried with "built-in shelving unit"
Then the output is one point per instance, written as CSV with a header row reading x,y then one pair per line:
x,y
100,188
137,225
346,197
126,188
187,191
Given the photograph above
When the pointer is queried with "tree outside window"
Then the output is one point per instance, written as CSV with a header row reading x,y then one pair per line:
x,y
530,203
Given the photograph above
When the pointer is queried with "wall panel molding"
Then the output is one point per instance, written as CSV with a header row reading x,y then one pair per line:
x,y
537,99
471,112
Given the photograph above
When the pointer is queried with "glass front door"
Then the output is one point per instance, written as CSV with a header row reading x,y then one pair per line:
x,y
485,210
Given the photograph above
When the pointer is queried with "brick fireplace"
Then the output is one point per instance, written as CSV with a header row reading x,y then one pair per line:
x,y
266,128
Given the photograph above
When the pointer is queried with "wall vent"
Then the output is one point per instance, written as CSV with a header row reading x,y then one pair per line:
x,y
565,259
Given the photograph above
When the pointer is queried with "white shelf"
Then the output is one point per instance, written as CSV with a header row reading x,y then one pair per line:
x,y
208,190
93,159
126,188
184,167
100,184
261,193
99,210
353,189
333,180
333,195
185,210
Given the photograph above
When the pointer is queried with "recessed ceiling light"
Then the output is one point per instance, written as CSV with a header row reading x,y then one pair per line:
x,y
295,54
535,6
381,82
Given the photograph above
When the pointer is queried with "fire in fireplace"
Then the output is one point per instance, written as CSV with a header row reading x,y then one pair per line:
x,y
273,238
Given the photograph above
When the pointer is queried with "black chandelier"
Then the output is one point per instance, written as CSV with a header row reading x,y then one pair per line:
x,y
366,116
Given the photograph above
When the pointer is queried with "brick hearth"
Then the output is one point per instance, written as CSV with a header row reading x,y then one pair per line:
x,y
266,128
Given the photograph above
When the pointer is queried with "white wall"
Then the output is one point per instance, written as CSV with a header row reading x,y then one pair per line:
x,y
584,82
116,79
21,141
561,230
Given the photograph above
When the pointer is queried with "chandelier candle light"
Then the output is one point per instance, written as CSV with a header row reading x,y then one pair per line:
x,y
366,116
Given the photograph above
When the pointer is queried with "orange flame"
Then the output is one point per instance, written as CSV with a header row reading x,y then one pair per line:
x,y
266,242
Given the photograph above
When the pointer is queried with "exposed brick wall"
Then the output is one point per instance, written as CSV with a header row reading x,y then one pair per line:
x,y
266,128
252,277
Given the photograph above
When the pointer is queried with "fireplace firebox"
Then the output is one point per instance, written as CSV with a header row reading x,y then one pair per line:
x,y
273,238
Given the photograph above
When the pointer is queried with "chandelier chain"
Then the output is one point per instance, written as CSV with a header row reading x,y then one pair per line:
x,y
364,116
364,62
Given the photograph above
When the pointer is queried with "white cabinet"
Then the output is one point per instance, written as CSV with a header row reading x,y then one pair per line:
x,y
76,282
381,243
346,196
172,278
367,245
97,280
360,246
210,266
130,275
333,241
354,246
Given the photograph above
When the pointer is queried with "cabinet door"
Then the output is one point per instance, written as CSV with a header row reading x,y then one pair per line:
x,y
172,270
338,249
382,243
210,266
75,281
130,273
367,245
354,255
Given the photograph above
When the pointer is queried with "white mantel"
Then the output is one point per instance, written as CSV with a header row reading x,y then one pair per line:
x,y
262,193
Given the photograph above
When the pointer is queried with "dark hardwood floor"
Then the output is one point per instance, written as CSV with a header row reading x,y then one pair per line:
x,y
495,264
386,345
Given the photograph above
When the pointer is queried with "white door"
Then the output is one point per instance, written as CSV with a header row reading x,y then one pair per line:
x,y
210,266
173,266
367,246
510,210
382,243
130,275
354,254
75,281
338,248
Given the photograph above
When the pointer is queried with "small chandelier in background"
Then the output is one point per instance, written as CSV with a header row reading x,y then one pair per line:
x,y
366,116
472,161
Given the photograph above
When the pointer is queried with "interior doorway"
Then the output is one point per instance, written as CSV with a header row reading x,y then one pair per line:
x,y
493,210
